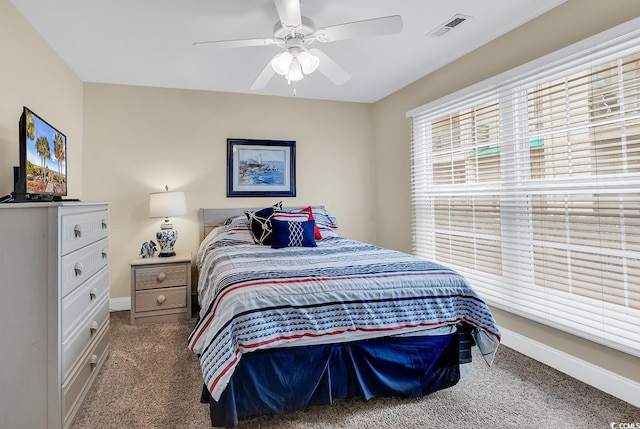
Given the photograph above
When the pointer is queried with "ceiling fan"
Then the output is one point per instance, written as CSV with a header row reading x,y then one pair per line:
x,y
294,33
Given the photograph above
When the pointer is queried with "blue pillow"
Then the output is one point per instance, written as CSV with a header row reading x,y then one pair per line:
x,y
292,234
260,223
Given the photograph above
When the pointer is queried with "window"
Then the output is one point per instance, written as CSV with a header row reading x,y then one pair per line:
x,y
529,185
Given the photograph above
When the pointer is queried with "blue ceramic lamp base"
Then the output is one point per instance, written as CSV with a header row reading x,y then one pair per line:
x,y
166,237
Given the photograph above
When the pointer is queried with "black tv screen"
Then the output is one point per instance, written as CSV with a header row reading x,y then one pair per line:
x,y
43,156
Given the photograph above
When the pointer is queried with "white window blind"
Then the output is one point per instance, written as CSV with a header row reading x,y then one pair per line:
x,y
530,187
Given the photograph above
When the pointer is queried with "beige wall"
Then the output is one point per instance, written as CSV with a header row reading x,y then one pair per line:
x,y
137,139
569,23
32,75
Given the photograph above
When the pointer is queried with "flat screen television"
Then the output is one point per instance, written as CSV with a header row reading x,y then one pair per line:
x,y
42,173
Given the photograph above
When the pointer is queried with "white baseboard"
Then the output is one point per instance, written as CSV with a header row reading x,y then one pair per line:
x,y
600,378
119,304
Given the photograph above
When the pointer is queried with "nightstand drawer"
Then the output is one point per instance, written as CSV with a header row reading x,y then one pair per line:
x,y
161,288
161,276
161,299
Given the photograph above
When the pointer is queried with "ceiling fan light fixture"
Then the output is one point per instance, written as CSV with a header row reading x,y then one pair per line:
x,y
295,71
308,61
294,33
281,63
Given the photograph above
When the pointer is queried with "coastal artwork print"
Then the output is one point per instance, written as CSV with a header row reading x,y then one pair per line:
x,y
260,168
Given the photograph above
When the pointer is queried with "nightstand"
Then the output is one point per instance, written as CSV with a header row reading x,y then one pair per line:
x,y
161,288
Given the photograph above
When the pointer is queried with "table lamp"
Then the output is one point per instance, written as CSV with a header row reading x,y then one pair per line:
x,y
165,204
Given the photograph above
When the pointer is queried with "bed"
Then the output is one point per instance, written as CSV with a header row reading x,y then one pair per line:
x,y
286,323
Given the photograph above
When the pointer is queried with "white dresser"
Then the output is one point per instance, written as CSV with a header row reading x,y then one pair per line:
x,y
54,310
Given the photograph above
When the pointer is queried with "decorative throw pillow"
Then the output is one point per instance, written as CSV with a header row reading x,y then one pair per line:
x,y
260,223
316,231
299,216
324,219
292,234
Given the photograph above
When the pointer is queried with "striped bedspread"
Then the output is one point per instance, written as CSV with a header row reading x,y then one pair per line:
x,y
255,297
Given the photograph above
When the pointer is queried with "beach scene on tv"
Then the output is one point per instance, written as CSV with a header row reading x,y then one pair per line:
x,y
46,157
261,166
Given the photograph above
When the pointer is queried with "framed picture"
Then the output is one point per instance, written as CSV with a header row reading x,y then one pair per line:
x,y
261,168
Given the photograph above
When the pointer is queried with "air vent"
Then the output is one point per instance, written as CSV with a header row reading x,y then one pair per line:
x,y
442,29
455,21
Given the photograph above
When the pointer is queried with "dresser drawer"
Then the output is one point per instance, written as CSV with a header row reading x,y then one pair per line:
x,y
79,266
74,390
80,338
83,300
161,299
80,229
161,276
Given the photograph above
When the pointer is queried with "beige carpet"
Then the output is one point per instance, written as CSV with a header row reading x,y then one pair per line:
x,y
151,380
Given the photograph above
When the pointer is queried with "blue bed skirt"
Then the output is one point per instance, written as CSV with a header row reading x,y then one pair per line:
x,y
284,380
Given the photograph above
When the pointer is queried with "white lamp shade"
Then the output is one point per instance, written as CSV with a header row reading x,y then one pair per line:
x,y
166,204
295,71
308,62
281,63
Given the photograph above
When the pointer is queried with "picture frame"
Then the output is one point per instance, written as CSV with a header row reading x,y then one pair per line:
x,y
261,168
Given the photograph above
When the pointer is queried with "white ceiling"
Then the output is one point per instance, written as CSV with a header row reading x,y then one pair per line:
x,y
149,42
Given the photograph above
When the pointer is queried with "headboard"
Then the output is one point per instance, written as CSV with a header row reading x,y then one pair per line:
x,y
210,218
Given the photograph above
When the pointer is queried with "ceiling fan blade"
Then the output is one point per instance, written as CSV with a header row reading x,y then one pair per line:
x,y
370,27
289,12
330,68
264,77
240,43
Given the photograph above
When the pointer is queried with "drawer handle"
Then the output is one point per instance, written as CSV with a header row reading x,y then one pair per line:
x,y
93,360
77,231
104,254
161,277
161,299
78,269
104,224
93,293
94,327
